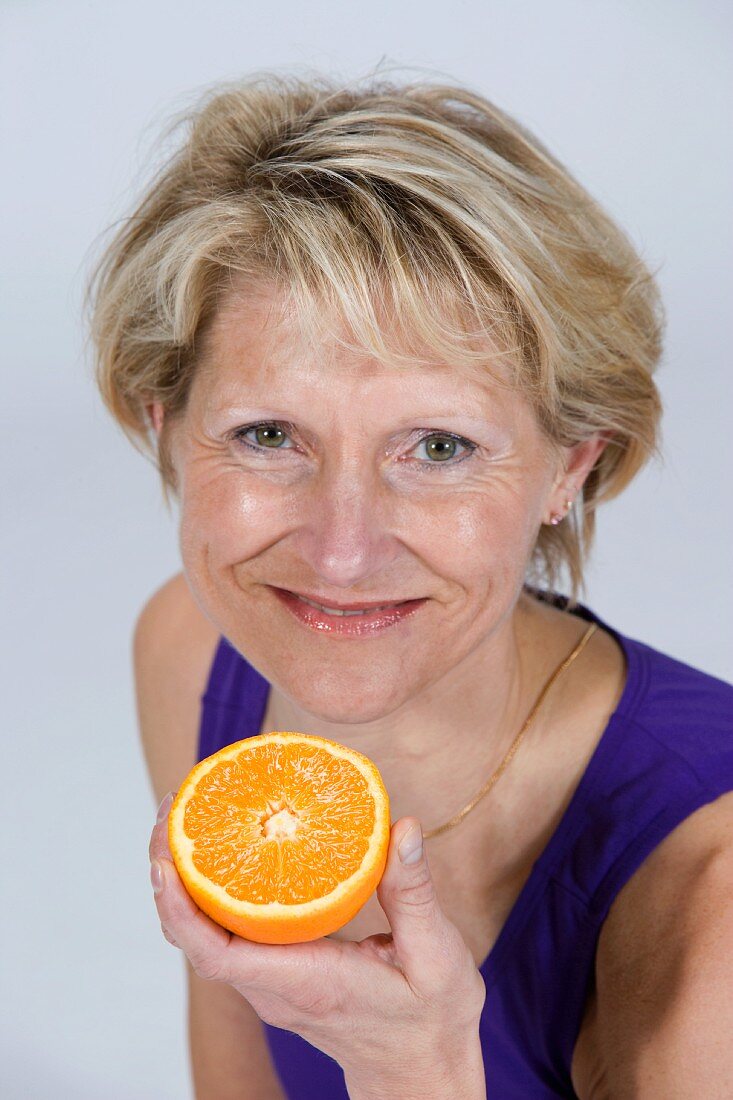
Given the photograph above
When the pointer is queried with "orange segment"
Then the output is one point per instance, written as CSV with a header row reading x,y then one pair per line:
x,y
282,837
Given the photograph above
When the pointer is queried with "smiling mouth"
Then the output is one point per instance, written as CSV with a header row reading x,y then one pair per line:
x,y
357,620
365,609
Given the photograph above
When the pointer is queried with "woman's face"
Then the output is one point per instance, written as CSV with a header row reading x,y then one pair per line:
x,y
325,474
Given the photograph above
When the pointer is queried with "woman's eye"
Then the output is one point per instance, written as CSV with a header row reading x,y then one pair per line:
x,y
441,447
266,436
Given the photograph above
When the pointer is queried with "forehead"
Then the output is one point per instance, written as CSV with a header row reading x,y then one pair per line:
x,y
258,340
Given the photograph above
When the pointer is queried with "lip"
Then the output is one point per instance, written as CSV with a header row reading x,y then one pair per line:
x,y
354,626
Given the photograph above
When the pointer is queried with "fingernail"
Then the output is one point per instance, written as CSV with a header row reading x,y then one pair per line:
x,y
410,849
165,806
156,876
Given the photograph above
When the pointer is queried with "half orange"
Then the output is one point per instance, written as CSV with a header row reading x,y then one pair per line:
x,y
281,838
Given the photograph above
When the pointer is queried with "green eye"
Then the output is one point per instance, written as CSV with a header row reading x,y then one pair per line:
x,y
265,436
269,436
440,447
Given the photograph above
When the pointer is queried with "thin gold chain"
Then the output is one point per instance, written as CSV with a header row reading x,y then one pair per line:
x,y
517,740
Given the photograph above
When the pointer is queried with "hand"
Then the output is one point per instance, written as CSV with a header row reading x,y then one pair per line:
x,y
386,1003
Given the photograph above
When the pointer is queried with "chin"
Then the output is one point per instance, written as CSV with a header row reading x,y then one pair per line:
x,y
333,697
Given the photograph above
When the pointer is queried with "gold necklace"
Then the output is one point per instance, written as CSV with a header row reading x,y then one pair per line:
x,y
515,744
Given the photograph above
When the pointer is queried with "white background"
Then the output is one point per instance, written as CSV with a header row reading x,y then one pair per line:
x,y
634,97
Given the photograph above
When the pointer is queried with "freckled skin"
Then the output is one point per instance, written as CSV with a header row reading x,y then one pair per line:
x,y
348,508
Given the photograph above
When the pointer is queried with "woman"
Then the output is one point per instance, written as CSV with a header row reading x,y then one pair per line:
x,y
394,357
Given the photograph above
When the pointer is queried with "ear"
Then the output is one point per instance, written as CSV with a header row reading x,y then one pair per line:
x,y
578,463
156,413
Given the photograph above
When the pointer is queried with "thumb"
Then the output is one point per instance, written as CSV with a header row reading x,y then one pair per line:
x,y
406,893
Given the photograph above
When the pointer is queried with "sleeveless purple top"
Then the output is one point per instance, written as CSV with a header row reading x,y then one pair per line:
x,y
666,751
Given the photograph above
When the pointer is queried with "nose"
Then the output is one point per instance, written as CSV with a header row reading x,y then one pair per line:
x,y
346,537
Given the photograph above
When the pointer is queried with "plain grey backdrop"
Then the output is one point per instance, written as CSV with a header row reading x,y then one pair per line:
x,y
634,97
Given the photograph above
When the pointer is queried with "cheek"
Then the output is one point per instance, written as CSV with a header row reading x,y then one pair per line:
x,y
487,530
229,518
481,543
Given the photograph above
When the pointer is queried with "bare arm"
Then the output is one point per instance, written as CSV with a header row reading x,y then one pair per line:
x,y
230,1059
173,647
665,969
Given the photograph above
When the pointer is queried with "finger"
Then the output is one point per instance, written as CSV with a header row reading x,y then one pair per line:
x,y
204,941
158,847
421,933
216,954
168,936
159,837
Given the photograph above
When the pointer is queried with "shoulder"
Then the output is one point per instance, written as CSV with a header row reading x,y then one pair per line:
x,y
173,647
671,680
172,633
695,852
685,711
172,604
664,969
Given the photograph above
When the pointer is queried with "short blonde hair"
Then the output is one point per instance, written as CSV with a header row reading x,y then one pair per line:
x,y
424,200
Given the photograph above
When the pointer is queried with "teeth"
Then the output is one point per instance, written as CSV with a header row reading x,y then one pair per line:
x,y
337,611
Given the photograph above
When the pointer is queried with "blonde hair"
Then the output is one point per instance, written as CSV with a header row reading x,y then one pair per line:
x,y
423,202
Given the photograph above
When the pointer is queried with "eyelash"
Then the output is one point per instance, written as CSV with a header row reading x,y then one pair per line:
x,y
240,433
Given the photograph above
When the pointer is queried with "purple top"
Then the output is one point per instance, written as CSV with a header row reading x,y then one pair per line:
x,y
666,751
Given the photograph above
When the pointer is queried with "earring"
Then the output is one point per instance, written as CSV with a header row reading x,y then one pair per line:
x,y
555,519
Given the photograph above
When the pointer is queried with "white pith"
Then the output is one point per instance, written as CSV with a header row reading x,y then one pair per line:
x,y
280,825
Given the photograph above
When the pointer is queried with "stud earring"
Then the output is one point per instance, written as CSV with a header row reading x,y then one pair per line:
x,y
555,519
